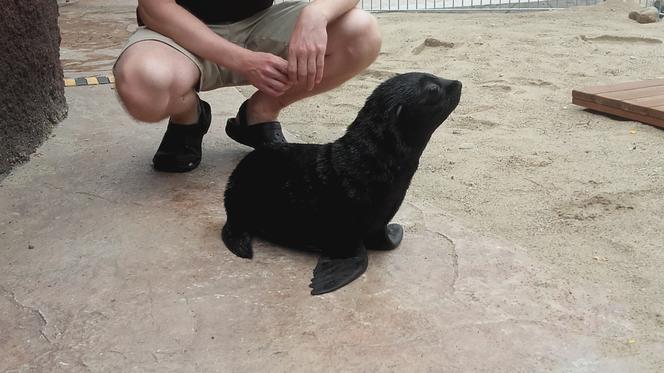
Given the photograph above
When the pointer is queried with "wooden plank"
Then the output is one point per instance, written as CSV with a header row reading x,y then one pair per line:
x,y
607,101
642,101
650,102
619,112
630,93
626,106
634,93
622,86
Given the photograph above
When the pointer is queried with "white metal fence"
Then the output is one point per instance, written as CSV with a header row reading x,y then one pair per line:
x,y
442,5
467,5
478,5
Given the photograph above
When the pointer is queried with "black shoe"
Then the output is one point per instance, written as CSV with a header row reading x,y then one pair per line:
x,y
180,149
256,135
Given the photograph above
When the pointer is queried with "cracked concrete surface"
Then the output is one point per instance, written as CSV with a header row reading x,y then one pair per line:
x,y
20,307
109,266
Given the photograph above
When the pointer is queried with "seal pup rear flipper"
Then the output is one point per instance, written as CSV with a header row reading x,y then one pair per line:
x,y
331,274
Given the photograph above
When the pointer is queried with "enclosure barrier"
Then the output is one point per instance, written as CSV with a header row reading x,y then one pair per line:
x,y
383,6
469,5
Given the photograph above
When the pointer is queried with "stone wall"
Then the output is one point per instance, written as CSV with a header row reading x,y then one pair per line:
x,y
31,88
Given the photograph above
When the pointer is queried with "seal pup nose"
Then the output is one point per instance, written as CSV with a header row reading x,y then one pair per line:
x,y
454,86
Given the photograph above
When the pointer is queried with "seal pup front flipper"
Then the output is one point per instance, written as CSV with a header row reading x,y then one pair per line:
x,y
237,241
387,238
332,273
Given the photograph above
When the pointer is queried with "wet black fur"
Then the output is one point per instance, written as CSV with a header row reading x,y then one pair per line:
x,y
330,197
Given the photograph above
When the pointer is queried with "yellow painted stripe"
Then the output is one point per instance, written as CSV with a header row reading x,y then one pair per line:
x,y
91,80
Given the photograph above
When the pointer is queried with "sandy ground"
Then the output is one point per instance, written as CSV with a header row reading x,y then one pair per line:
x,y
581,193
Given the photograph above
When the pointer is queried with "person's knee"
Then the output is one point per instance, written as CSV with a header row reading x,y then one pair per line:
x,y
143,85
362,38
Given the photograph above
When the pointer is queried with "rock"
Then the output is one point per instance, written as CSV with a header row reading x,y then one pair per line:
x,y
32,98
435,43
432,43
647,15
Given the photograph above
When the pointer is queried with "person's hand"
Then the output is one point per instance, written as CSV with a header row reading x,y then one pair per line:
x,y
306,52
265,71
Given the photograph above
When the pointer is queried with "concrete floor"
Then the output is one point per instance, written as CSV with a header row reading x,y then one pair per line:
x,y
108,266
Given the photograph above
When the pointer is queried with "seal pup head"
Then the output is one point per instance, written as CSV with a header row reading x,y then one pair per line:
x,y
414,104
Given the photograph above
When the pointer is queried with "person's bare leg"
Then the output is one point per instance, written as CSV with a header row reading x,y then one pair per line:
x,y
353,44
155,81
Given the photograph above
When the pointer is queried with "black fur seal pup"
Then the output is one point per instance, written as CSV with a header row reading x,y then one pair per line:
x,y
338,198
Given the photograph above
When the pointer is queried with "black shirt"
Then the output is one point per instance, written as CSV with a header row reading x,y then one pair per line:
x,y
222,11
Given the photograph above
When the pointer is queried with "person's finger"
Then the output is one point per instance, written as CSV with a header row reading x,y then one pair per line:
x,y
265,87
302,69
277,69
292,66
320,66
278,86
280,64
311,72
278,75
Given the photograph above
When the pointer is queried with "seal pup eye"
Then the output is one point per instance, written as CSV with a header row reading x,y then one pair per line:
x,y
432,89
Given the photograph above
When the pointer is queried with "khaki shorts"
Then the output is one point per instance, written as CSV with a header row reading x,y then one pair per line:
x,y
267,31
